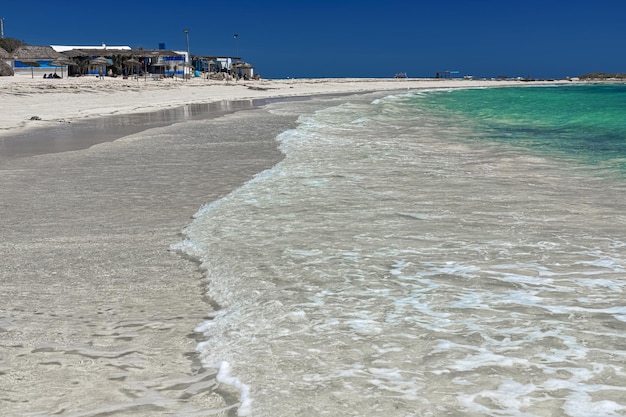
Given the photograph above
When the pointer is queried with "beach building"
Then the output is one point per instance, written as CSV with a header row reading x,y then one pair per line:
x,y
90,60
178,65
122,60
118,60
36,60
103,47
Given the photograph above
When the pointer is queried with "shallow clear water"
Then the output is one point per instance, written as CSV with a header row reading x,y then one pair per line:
x,y
587,123
428,253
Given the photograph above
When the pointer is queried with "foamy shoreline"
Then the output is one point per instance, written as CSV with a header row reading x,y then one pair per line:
x,y
99,314
34,102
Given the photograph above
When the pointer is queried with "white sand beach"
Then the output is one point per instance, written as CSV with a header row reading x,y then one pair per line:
x,y
97,313
63,100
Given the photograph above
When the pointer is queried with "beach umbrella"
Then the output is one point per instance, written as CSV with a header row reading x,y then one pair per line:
x,y
101,62
132,62
32,64
62,62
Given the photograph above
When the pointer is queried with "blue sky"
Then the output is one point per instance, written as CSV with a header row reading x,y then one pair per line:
x,y
541,39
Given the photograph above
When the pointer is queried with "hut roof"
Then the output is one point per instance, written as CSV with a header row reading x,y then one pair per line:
x,y
4,54
155,52
74,53
35,52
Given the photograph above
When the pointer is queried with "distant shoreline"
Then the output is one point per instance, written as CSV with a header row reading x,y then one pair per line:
x,y
35,103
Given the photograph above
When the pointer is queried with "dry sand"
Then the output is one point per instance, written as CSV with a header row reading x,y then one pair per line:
x,y
97,315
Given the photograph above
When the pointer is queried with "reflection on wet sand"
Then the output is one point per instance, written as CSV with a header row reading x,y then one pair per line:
x,y
66,137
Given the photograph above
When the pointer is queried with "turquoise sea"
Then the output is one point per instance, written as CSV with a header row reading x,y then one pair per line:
x,y
581,123
426,253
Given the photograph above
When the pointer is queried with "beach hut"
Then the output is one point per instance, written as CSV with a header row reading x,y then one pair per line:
x,y
83,59
28,57
85,55
151,59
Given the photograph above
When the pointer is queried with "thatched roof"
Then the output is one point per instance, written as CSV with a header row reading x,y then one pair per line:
x,y
4,54
87,53
28,52
5,69
155,52
243,65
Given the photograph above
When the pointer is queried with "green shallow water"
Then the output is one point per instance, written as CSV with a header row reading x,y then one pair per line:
x,y
586,124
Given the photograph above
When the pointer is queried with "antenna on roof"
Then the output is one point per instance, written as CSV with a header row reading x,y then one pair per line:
x,y
1,27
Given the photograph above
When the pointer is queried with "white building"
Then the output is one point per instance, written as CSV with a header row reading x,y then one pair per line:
x,y
64,48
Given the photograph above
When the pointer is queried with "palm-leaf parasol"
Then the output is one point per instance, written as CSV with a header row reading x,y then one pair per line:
x,y
62,62
132,62
101,62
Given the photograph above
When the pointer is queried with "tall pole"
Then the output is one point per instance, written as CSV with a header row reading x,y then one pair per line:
x,y
188,57
236,36
2,28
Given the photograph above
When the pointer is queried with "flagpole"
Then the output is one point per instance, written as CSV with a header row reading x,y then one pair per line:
x,y
188,58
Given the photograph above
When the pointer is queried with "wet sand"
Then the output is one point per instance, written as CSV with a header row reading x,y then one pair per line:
x,y
98,314
82,134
